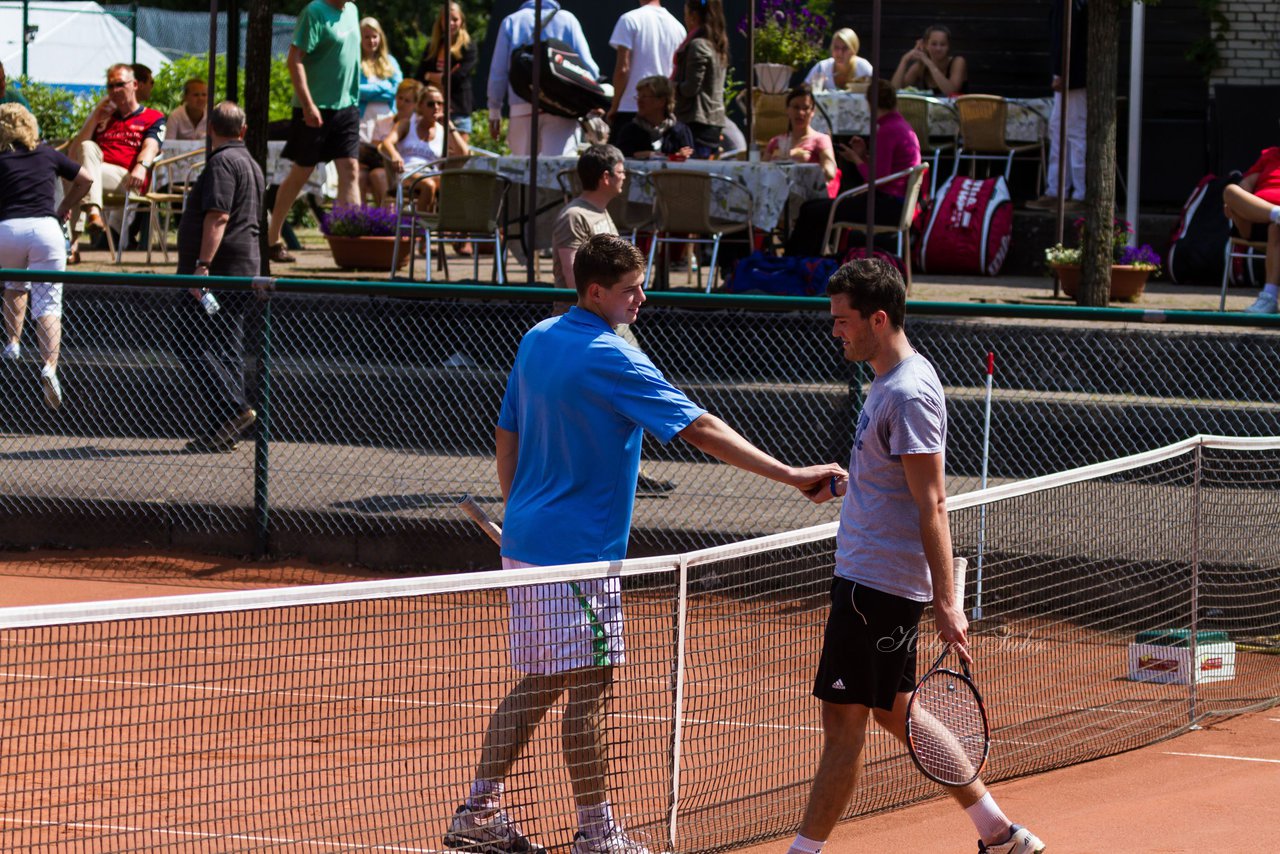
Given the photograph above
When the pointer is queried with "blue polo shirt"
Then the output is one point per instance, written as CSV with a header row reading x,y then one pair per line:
x,y
579,399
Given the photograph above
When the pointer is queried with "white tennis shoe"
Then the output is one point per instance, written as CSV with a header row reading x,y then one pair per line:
x,y
1020,841
52,388
487,832
616,842
13,352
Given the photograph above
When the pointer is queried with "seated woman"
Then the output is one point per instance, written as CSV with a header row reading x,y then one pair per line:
x,y
843,67
190,119
930,65
655,131
1253,206
418,139
897,150
373,173
803,144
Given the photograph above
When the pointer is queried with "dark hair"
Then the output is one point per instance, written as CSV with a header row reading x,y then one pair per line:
x,y
711,14
886,95
871,285
603,260
937,28
141,73
594,162
226,119
804,90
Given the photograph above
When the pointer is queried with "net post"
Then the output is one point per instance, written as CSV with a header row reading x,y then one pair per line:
x,y
677,717
262,446
1197,469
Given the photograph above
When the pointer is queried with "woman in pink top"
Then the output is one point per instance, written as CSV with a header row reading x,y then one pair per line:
x,y
803,144
897,150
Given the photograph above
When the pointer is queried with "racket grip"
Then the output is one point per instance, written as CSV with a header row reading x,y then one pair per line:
x,y
960,568
469,506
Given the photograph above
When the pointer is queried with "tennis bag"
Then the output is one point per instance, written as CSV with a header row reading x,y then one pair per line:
x,y
763,273
567,87
1197,245
969,228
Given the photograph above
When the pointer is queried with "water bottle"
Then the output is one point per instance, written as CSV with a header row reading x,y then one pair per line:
x,y
210,302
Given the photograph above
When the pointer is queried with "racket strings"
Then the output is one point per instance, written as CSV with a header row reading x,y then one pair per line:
x,y
948,729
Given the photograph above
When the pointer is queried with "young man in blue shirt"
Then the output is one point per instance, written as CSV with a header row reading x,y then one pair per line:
x,y
577,403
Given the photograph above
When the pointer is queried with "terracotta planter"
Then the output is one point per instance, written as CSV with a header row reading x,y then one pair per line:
x,y
1127,282
367,253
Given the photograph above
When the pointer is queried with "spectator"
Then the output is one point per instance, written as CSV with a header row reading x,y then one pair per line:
x,y
31,235
1074,93
324,66
380,76
654,131
10,94
462,65
556,134
418,139
118,145
843,67
1252,206
930,65
189,120
898,150
803,144
218,236
146,81
373,171
698,75
645,39
603,174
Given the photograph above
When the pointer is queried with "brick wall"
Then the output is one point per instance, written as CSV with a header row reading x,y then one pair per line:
x,y
1250,47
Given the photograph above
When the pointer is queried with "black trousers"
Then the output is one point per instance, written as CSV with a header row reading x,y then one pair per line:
x,y
211,350
805,240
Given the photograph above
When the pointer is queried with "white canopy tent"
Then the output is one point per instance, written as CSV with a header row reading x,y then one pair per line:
x,y
75,43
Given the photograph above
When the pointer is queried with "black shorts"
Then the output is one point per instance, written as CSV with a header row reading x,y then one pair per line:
x,y
337,137
370,157
869,648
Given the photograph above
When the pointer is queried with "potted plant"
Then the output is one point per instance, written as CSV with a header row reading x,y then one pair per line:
x,y
1132,266
789,37
363,237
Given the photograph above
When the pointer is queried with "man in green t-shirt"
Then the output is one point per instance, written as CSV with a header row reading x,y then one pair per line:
x,y
324,65
9,94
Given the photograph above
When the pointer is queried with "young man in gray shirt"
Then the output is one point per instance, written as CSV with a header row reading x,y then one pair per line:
x,y
893,557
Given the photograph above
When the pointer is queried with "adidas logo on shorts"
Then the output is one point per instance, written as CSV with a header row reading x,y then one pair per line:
x,y
838,684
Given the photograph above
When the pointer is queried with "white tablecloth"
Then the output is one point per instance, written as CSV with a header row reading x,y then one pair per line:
x,y
1028,118
771,185
323,180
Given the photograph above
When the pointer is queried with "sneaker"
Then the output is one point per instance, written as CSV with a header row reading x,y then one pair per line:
x,y
1044,203
617,842
52,388
1264,304
651,487
13,352
1020,841
487,832
226,438
279,253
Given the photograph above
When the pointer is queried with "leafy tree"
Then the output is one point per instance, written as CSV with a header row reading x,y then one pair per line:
x,y
171,80
60,112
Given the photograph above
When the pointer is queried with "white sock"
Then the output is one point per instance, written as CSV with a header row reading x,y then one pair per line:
x,y
1275,214
596,822
988,820
485,795
804,845
1269,288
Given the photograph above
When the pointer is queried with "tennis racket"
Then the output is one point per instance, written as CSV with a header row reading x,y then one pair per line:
x,y
469,506
948,735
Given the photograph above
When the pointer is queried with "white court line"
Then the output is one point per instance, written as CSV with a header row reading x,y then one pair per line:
x,y
246,837
1221,756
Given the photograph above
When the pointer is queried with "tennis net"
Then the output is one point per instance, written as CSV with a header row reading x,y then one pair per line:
x,y
351,716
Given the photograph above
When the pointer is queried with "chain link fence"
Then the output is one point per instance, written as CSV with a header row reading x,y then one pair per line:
x,y
376,409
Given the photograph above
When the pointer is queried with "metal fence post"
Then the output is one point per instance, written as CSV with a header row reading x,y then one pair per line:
x,y
262,447
1196,489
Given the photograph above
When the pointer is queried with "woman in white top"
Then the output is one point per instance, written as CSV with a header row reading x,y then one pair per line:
x,y
418,139
843,67
189,120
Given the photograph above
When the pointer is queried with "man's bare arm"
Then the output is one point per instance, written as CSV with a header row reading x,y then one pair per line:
x,y
712,436
508,445
928,488
298,75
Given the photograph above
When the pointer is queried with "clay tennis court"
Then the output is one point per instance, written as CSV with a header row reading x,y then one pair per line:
x,y
355,727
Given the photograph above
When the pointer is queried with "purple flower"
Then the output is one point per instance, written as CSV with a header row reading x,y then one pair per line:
x,y
358,221
1143,254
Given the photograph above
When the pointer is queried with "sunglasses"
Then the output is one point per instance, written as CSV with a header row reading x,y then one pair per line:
x,y
430,103
119,84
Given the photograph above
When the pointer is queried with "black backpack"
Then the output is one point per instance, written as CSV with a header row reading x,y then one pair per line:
x,y
1198,245
567,87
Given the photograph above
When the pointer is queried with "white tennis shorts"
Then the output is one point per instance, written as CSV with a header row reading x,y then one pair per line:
x,y
35,243
553,631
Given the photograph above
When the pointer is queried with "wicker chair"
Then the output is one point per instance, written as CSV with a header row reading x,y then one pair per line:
x,y
982,124
172,179
471,206
682,207
1239,247
915,180
915,109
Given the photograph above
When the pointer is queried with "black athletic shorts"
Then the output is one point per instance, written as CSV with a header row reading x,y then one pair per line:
x,y
338,136
869,648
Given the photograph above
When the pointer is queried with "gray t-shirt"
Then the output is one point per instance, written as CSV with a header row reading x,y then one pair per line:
x,y
878,543
578,221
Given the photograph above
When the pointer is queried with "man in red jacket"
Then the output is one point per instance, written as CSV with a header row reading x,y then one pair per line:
x,y
118,145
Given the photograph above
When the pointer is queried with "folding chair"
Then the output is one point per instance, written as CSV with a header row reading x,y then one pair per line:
x,y
982,124
915,180
682,207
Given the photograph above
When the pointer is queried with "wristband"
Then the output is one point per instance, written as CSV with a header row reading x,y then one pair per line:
x,y
200,263
832,486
